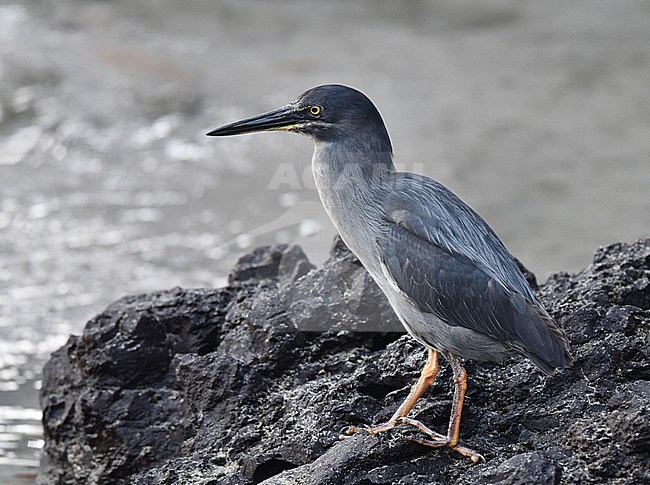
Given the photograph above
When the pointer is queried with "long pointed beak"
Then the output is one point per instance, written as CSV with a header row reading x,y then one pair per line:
x,y
284,119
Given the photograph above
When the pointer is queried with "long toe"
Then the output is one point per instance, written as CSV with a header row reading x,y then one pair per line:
x,y
439,443
438,440
370,429
430,443
435,437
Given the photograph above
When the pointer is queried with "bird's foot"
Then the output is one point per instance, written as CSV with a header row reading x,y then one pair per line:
x,y
438,440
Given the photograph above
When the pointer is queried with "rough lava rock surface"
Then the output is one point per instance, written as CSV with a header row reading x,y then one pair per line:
x,y
252,383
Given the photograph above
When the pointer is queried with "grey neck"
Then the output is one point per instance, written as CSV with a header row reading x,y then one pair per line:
x,y
358,167
351,185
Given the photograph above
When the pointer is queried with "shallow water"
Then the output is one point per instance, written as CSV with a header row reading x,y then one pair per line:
x,y
536,113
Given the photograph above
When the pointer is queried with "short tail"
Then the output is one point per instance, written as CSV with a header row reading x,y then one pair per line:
x,y
544,342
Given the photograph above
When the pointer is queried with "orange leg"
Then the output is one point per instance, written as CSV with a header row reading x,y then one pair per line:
x,y
453,431
437,440
427,378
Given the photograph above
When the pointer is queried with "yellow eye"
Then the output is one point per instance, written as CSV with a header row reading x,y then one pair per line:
x,y
315,110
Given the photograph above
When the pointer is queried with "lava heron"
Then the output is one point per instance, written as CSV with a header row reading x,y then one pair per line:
x,y
451,281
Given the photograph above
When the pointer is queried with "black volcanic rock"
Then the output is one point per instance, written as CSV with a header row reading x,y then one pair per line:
x,y
253,382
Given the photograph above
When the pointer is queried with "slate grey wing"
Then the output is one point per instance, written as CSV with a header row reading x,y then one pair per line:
x,y
442,276
448,285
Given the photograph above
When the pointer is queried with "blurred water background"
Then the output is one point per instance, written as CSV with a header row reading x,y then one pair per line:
x,y
536,113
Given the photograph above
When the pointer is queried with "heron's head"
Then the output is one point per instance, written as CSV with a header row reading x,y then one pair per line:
x,y
327,113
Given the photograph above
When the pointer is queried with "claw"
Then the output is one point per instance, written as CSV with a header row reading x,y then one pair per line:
x,y
349,431
346,432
